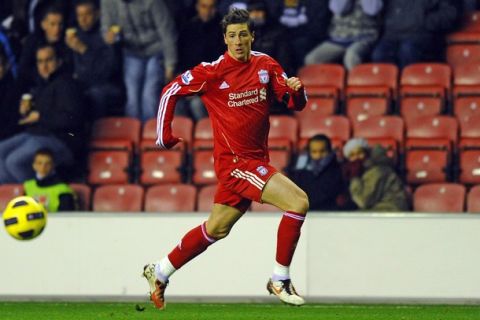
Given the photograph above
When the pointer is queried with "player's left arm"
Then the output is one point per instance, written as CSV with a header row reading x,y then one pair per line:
x,y
287,89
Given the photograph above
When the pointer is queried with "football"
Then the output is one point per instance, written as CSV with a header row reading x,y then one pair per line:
x,y
24,218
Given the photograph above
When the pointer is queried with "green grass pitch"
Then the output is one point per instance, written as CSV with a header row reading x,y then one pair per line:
x,y
233,311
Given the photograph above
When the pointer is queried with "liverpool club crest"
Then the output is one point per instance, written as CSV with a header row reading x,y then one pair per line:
x,y
263,76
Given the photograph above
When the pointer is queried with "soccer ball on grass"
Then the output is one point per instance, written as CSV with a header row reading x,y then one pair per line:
x,y
24,218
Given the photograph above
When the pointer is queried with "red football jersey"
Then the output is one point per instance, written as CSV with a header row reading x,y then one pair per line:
x,y
238,96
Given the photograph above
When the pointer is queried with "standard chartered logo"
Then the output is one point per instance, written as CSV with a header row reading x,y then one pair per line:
x,y
247,97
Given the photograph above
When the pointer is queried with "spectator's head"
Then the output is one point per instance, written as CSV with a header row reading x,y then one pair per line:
x,y
355,149
47,61
43,163
87,14
3,63
206,9
319,146
238,34
52,24
258,12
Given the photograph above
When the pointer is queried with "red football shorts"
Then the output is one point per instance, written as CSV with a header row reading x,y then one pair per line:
x,y
243,182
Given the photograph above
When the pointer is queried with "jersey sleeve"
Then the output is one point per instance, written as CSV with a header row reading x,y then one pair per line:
x,y
296,99
190,82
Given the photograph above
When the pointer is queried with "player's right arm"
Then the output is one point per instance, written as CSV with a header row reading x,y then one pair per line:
x,y
188,83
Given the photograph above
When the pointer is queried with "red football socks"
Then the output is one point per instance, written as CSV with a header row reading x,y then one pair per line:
x,y
192,244
287,236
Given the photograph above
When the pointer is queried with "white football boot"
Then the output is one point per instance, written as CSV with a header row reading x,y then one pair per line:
x,y
157,287
285,291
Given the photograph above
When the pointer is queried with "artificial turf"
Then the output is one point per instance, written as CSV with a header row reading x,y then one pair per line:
x,y
217,311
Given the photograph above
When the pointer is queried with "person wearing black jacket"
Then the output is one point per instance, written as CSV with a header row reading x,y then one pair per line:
x,y
54,121
319,174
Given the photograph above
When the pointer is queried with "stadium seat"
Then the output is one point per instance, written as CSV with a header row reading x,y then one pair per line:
x,y
108,167
412,108
118,198
171,198
471,23
337,128
283,133
429,144
115,133
466,80
439,198
162,166
463,54
203,169
182,127
83,194
203,135
373,80
8,192
426,79
470,132
205,198
387,131
263,207
323,80
280,159
317,107
469,163
465,107
361,108
473,200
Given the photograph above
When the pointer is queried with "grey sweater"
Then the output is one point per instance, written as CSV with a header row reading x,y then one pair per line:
x,y
147,27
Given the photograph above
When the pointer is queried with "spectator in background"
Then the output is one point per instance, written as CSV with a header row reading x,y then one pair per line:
x,y
353,31
9,97
54,121
95,63
200,40
414,31
307,23
149,49
52,33
47,187
8,49
374,185
319,174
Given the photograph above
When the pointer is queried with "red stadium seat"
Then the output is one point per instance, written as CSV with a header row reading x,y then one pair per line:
x,y
263,207
462,37
426,79
337,128
171,198
470,132
473,200
283,133
471,23
182,127
387,131
317,107
203,169
323,80
118,198
426,166
203,135
8,192
466,107
412,108
108,167
466,80
463,54
469,162
361,108
439,198
83,194
160,167
373,80
205,198
115,133
280,159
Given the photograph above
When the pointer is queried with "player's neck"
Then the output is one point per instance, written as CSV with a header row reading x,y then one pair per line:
x,y
238,60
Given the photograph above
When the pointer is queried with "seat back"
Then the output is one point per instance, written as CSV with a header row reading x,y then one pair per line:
x,y
205,198
83,194
439,198
8,192
171,198
118,198
473,200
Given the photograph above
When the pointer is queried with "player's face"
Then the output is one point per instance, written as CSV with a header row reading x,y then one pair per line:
x,y
42,165
52,25
318,150
87,16
47,62
238,39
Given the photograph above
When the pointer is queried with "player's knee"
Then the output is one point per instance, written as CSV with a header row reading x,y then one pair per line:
x,y
301,204
218,234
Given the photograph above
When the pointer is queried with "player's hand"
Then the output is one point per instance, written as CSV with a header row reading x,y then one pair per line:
x,y
294,83
32,117
172,142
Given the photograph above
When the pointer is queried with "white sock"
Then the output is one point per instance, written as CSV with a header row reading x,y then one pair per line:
x,y
164,269
280,272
